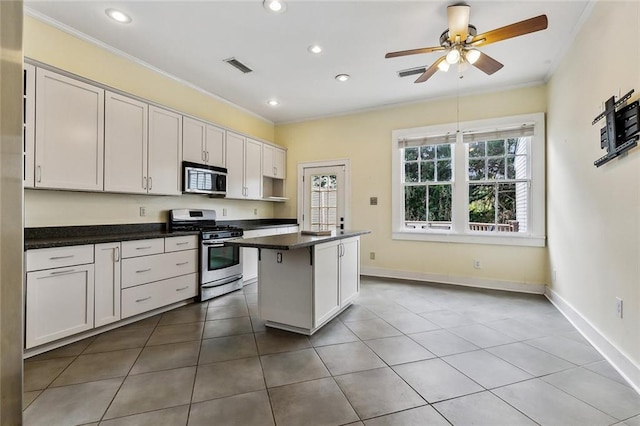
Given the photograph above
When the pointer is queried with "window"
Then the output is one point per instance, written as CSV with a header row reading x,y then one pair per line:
x,y
481,184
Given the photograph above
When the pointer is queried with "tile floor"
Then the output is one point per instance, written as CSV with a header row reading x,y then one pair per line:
x,y
404,354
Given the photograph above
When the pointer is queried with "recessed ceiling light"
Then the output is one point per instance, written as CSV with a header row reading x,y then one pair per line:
x,y
343,77
274,6
315,49
118,15
273,102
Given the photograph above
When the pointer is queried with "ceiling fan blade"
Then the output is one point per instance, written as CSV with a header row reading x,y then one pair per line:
x,y
430,71
487,64
413,51
458,18
514,30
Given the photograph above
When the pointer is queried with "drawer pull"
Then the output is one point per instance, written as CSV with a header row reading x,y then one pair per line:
x,y
143,270
182,288
181,263
62,257
143,299
143,248
182,243
66,271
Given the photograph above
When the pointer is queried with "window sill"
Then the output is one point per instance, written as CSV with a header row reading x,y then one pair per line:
x,y
494,239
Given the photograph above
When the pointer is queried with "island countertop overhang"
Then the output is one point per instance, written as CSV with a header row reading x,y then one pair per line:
x,y
293,241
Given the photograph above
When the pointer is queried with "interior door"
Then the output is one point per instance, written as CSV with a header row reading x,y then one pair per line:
x,y
324,198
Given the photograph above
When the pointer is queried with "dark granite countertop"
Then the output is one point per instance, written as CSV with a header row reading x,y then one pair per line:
x,y
61,236
292,241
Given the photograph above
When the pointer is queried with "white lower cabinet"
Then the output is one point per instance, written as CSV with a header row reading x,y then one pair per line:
x,y
107,283
145,269
142,298
59,303
250,255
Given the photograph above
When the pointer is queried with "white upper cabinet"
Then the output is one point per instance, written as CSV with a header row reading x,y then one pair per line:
x,y
29,124
273,162
244,167
164,152
125,144
69,133
203,143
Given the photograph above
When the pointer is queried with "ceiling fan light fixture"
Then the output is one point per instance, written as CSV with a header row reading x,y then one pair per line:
x,y
453,56
472,55
443,66
274,6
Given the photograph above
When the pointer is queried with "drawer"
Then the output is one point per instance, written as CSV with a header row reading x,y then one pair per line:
x,y
143,298
58,257
188,242
142,247
146,269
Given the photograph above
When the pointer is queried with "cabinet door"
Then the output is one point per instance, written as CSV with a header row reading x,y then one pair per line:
x,y
193,140
215,147
268,168
235,165
279,163
325,281
125,144
249,264
253,169
349,269
107,283
69,133
59,303
165,152
29,123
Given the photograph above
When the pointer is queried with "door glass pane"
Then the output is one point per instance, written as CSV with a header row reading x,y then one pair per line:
x,y
324,202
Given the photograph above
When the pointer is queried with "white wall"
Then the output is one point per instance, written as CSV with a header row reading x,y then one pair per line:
x,y
593,213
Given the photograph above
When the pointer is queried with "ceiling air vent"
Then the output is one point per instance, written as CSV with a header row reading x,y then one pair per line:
x,y
411,71
238,65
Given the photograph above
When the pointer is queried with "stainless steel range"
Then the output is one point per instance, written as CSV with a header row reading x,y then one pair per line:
x,y
220,265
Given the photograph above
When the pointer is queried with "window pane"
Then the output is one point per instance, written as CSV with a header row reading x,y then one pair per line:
x,y
482,209
522,207
506,204
511,168
427,171
512,146
444,151
495,168
476,149
411,172
520,164
428,152
410,154
444,170
415,208
476,169
495,148
440,203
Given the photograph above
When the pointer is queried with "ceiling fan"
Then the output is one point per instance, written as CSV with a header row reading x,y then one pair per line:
x,y
461,40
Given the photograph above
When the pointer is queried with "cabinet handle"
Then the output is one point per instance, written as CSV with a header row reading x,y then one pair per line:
x,y
275,171
66,271
116,254
38,174
143,248
181,263
182,243
143,270
62,257
150,183
182,288
143,299
204,156
207,156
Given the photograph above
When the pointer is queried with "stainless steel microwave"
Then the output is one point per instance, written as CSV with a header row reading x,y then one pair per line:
x,y
203,179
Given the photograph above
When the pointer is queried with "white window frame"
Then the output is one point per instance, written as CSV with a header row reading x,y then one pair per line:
x,y
460,233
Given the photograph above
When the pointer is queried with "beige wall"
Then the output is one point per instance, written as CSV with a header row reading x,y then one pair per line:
x,y
49,45
593,213
365,139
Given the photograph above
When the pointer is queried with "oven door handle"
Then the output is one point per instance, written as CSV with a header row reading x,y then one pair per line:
x,y
223,282
213,244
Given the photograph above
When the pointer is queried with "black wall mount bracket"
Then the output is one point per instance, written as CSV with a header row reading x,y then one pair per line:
x,y
620,133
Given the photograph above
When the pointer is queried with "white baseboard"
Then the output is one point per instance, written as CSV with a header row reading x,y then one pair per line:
x,y
457,280
625,366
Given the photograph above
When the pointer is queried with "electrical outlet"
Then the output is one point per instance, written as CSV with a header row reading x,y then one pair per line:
x,y
618,307
255,212
143,211
224,212
476,264
372,255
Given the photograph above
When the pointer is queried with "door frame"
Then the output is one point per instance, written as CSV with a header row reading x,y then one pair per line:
x,y
341,162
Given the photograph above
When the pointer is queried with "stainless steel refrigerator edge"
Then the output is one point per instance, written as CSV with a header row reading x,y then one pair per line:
x,y
11,213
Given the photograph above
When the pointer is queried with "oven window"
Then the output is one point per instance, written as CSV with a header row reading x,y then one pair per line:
x,y
223,257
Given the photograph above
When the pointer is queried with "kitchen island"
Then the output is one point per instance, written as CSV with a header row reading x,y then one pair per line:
x,y
304,281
